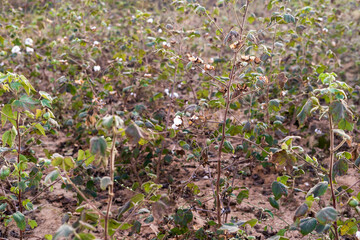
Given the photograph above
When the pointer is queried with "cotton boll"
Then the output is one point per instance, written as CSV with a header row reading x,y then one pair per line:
x,y
150,20
29,42
16,49
178,120
29,50
97,68
176,95
318,131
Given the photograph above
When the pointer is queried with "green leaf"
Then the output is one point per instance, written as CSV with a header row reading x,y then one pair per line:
x,y
4,172
301,211
289,18
51,177
134,133
357,161
81,155
125,226
275,105
57,159
86,236
251,19
311,160
24,103
349,227
340,168
9,137
48,237
40,128
274,203
243,194
69,162
64,231
111,121
320,228
279,190
32,223
251,222
228,147
183,217
304,112
318,190
346,125
104,182
26,84
137,198
189,66
7,114
307,225
20,220
98,146
339,110
327,78
326,215
46,96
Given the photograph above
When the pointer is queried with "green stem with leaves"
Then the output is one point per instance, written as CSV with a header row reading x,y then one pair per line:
x,y
19,166
111,186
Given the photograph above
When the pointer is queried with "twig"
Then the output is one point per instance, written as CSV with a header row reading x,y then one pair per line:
x,y
82,195
37,195
251,142
344,191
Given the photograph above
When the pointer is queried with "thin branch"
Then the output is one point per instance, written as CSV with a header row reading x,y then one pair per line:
x,y
82,195
251,142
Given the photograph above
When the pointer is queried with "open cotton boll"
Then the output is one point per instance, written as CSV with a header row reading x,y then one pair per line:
x,y
176,95
150,20
29,50
358,235
97,68
29,42
177,123
177,120
16,49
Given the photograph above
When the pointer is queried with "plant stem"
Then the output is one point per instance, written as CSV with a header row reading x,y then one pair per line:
x,y
111,186
82,195
331,171
218,168
159,163
18,162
